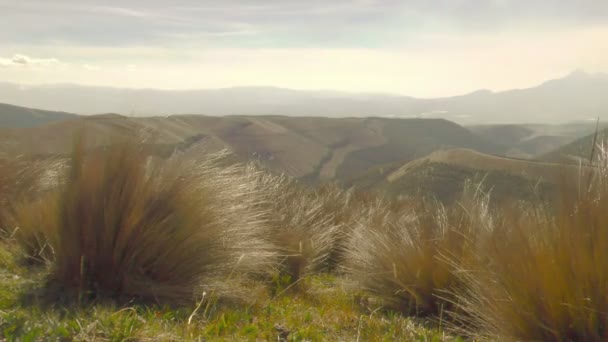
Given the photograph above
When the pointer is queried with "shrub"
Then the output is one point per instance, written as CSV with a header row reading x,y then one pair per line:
x,y
122,226
546,275
401,257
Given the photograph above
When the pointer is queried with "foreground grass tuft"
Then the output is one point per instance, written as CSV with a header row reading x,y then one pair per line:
x,y
124,227
401,257
302,226
18,181
546,272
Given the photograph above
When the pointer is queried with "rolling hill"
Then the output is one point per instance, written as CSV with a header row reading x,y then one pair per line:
x,y
14,116
442,174
531,141
399,156
578,151
411,139
506,135
308,147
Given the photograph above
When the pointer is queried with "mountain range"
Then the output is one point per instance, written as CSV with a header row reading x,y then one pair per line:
x,y
578,96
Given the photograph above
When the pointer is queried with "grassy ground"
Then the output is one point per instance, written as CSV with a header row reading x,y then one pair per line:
x,y
328,311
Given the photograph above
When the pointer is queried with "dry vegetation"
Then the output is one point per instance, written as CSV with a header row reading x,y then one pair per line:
x,y
121,226
301,228
402,257
308,226
18,180
546,272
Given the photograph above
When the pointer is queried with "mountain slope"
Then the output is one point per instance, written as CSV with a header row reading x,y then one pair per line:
x,y
529,141
443,173
578,96
507,135
310,148
411,139
14,116
578,151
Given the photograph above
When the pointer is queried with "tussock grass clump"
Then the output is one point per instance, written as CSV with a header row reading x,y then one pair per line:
x,y
546,275
401,258
4,180
18,179
121,226
344,208
30,229
301,226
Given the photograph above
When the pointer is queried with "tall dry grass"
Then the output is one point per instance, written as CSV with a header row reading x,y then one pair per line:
x,y
401,257
122,226
345,208
301,227
19,180
546,272
5,176
4,181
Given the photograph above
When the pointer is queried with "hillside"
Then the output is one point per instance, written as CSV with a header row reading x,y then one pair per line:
x,y
309,148
411,139
14,116
530,141
577,96
578,151
443,173
507,135
539,145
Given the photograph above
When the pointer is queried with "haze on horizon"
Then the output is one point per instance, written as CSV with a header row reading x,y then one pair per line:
x,y
412,47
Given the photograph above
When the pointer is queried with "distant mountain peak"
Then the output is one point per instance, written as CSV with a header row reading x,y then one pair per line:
x,y
577,78
482,92
578,74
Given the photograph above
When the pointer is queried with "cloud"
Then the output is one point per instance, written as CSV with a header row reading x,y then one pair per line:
x,y
91,67
280,23
446,64
415,47
19,60
119,11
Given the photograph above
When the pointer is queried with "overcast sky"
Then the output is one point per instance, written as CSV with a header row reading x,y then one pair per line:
x,y
415,47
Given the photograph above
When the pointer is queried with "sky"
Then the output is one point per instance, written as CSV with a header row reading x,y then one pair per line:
x,y
423,48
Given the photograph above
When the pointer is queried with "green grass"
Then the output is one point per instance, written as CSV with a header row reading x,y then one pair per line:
x,y
328,311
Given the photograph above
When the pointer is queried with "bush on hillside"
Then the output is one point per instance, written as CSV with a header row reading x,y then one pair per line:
x,y
120,225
